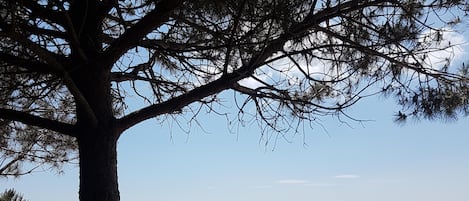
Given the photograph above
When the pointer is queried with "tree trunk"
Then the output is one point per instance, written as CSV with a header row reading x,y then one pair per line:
x,y
98,165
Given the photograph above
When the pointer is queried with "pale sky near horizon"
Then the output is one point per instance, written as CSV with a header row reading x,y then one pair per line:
x,y
376,160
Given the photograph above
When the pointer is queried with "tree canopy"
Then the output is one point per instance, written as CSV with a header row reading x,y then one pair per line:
x,y
68,68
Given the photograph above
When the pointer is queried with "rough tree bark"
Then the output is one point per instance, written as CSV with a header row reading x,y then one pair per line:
x,y
97,134
98,165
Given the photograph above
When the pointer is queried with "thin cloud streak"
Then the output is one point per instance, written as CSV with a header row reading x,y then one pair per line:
x,y
347,176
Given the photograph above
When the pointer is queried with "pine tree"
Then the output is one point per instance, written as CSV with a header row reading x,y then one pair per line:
x,y
69,67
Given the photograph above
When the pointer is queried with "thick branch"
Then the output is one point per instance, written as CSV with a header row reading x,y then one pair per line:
x,y
132,36
157,44
197,94
179,102
55,63
44,32
331,12
29,65
227,81
33,120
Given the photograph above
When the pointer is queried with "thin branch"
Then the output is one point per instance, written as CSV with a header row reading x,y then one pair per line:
x,y
44,13
124,77
232,36
257,93
9,164
415,67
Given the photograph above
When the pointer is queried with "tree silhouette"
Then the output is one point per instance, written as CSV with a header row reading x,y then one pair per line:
x,y
68,68
11,195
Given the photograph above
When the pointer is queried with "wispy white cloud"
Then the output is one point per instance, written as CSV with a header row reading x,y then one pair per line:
x,y
261,187
451,47
292,181
347,176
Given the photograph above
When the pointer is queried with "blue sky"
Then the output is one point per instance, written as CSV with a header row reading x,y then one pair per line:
x,y
375,160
